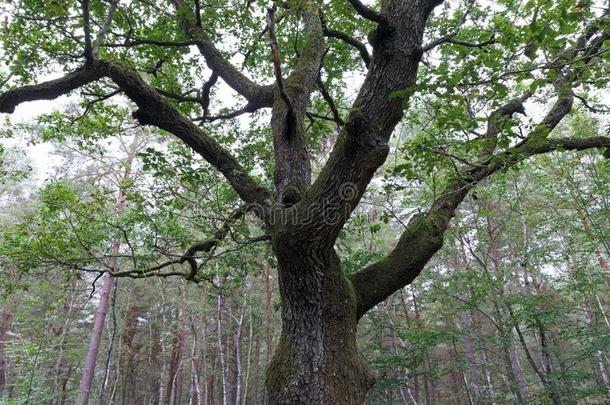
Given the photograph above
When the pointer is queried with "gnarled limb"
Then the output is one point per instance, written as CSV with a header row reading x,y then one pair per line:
x,y
362,145
367,12
153,110
495,122
190,255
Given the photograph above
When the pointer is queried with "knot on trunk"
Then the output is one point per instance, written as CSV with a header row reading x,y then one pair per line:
x,y
290,196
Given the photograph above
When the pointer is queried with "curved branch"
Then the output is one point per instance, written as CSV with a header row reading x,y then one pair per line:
x,y
423,236
364,53
367,12
253,92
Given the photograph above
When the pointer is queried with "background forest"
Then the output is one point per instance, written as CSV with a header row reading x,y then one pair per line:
x,y
514,309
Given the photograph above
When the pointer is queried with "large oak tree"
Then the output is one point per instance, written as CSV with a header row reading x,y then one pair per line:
x,y
467,73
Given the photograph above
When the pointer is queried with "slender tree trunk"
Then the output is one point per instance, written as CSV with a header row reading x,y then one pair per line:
x,y
405,388
111,339
221,346
405,309
61,369
5,322
429,388
102,308
175,380
249,354
316,361
130,348
195,392
257,361
269,319
96,337
204,351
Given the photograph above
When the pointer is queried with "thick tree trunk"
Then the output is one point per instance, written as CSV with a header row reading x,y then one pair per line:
x,y
316,361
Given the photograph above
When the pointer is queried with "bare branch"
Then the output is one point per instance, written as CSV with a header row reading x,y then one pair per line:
x,y
331,103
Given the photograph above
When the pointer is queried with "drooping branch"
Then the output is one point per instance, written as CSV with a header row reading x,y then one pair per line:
x,y
191,254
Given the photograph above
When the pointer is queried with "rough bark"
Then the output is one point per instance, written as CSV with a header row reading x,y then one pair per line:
x,y
316,360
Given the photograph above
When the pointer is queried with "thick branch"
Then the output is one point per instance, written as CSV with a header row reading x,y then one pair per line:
x,y
496,121
277,61
154,110
88,53
362,144
424,234
262,95
51,89
292,172
253,92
